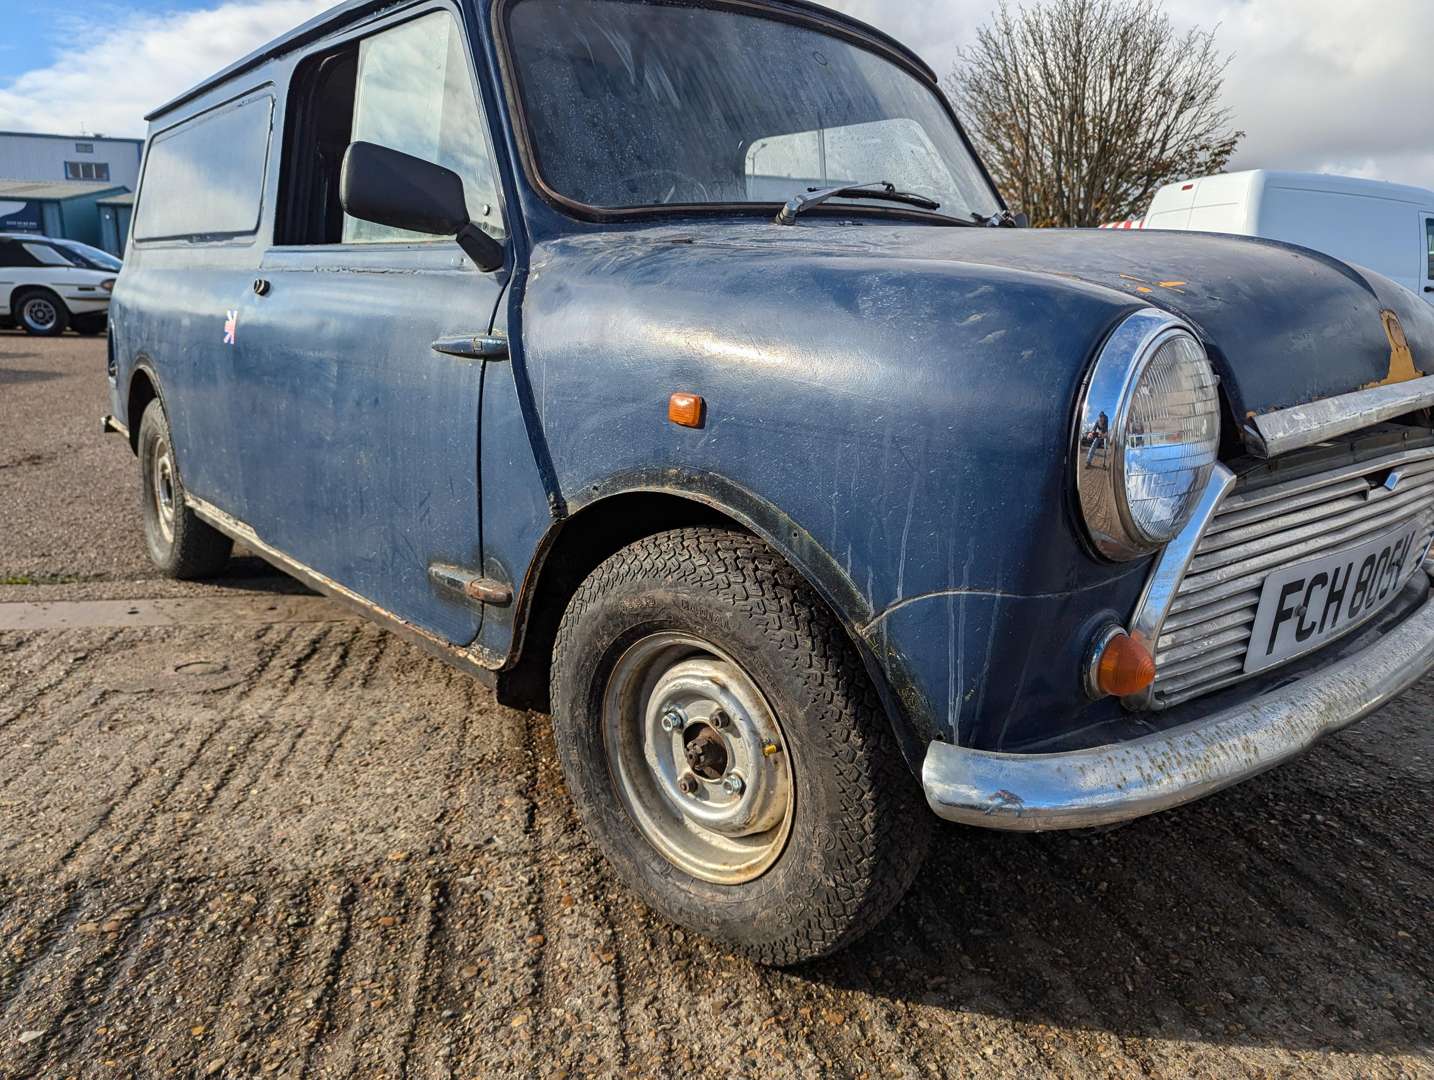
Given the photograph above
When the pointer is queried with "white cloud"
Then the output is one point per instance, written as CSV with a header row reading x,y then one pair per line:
x,y
1338,85
124,70
1323,85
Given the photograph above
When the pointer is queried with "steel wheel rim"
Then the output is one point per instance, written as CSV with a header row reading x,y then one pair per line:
x,y
162,481
40,314
734,822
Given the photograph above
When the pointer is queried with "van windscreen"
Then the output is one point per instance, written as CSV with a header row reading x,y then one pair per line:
x,y
205,178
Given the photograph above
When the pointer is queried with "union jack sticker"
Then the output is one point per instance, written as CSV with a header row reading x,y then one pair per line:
x,y
231,327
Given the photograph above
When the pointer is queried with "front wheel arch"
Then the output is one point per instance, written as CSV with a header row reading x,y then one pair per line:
x,y
619,514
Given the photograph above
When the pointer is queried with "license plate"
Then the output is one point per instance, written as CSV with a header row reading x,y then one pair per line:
x,y
1304,606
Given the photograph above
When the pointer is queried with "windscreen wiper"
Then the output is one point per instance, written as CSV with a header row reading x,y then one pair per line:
x,y
884,190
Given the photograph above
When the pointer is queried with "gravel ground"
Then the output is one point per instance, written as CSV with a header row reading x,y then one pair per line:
x,y
264,839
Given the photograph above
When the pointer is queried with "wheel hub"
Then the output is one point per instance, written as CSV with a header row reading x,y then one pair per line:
x,y
698,758
41,314
163,481
706,752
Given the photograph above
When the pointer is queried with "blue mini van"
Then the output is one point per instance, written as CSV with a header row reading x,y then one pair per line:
x,y
674,367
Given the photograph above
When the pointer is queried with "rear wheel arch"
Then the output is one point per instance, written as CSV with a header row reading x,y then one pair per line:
x,y
143,388
612,519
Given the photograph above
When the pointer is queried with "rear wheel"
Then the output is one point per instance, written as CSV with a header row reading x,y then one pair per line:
x,y
725,749
181,545
42,313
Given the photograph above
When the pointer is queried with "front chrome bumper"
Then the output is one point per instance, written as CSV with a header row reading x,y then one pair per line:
x,y
1106,784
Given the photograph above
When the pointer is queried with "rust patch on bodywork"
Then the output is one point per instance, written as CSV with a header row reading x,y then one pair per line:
x,y
1401,358
1143,287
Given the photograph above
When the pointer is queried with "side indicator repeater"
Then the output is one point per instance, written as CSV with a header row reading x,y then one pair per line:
x,y
686,410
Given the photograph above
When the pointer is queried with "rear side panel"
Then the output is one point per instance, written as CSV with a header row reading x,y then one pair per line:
x,y
192,264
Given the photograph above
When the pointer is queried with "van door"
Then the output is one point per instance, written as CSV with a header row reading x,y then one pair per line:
x,y
360,438
1428,246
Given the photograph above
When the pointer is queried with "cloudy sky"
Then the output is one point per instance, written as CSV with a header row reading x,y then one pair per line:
x,y
1333,85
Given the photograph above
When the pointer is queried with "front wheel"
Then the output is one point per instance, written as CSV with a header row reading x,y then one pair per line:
x,y
43,314
725,749
181,545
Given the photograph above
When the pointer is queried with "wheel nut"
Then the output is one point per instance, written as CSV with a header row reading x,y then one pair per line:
x,y
732,784
687,784
673,720
719,719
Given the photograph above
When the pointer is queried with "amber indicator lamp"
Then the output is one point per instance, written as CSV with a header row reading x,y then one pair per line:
x,y
686,410
1124,667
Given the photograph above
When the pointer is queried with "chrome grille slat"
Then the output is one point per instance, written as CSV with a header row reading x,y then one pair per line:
x,y
1201,644
1366,503
1236,519
1242,500
1292,528
1200,630
1253,571
1207,674
1175,653
1190,616
1214,656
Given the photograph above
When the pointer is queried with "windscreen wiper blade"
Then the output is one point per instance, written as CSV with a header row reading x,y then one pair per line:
x,y
884,190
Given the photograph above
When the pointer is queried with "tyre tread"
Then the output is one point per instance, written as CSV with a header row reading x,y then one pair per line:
x,y
882,832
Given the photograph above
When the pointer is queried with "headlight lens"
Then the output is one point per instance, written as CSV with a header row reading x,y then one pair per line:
x,y
108,284
1148,435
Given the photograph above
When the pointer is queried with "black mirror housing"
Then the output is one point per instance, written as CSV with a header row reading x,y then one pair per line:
x,y
392,188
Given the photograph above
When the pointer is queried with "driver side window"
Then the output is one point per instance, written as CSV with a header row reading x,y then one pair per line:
x,y
408,88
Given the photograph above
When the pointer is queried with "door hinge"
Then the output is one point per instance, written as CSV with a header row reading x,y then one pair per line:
x,y
471,585
473,346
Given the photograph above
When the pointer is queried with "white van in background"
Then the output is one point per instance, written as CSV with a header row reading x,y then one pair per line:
x,y
1387,227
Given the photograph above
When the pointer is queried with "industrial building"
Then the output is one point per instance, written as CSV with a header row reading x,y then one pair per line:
x,y
79,187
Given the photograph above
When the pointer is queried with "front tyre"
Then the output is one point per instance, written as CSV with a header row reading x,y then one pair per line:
x,y
726,751
181,545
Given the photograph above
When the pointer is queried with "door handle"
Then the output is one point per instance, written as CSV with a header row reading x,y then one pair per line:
x,y
473,346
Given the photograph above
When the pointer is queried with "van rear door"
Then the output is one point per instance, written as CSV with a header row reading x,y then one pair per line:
x,y
361,440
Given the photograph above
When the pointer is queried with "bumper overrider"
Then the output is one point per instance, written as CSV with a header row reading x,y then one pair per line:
x,y
1107,784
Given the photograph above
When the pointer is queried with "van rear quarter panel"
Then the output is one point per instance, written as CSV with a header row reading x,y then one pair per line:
x,y
171,306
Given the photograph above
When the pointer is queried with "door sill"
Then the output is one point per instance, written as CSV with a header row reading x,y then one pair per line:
x,y
475,660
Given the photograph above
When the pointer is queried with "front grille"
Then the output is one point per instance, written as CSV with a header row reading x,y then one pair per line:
x,y
1258,530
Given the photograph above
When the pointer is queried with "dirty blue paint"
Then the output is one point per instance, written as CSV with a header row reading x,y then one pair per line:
x,y
889,403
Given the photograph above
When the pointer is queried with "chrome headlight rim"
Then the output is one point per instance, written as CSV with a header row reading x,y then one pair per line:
x,y
1109,526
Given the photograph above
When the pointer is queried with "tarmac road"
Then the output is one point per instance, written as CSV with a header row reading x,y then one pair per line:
x,y
244,835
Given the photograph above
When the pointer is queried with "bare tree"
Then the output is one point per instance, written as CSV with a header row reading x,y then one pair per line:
x,y
1083,108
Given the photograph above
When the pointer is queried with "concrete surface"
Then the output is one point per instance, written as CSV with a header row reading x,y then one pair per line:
x,y
239,839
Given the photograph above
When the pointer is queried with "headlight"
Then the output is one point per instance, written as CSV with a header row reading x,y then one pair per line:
x,y
108,284
1147,435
